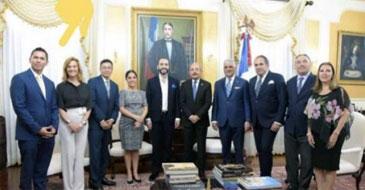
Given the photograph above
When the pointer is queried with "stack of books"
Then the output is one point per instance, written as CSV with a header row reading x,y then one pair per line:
x,y
228,174
182,176
259,183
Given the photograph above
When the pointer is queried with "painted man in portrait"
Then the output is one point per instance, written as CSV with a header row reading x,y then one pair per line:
x,y
172,50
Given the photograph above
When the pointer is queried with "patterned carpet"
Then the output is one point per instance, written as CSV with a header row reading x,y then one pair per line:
x,y
342,182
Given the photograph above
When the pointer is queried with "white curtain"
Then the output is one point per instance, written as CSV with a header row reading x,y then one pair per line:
x,y
273,20
37,12
20,39
280,60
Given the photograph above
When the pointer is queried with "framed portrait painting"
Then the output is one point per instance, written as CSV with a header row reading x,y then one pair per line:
x,y
169,34
351,58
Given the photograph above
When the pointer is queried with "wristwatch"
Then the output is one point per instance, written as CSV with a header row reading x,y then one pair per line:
x,y
83,122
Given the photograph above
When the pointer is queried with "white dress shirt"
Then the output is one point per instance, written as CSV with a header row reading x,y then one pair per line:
x,y
227,80
169,48
164,83
39,79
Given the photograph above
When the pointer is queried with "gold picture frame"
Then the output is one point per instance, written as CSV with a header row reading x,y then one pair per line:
x,y
350,67
147,29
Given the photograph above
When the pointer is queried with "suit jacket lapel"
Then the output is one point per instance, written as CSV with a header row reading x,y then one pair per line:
x,y
252,85
200,86
103,87
48,89
189,89
305,85
157,81
223,83
36,85
264,83
232,87
169,92
294,88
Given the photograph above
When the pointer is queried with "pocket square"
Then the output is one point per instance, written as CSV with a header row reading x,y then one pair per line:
x,y
271,82
173,86
237,87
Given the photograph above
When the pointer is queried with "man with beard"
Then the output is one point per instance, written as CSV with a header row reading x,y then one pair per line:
x,y
163,114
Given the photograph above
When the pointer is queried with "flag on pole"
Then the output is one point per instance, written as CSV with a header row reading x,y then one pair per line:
x,y
152,37
245,59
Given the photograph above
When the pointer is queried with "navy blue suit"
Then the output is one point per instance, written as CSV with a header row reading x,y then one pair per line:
x,y
103,108
33,112
268,106
295,134
231,113
162,122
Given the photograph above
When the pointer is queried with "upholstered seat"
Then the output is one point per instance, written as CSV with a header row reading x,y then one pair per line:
x,y
213,143
353,149
117,151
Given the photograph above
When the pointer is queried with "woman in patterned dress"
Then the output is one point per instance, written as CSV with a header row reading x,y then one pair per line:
x,y
328,112
133,108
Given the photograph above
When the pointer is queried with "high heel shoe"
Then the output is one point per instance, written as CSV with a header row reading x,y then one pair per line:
x,y
137,180
130,181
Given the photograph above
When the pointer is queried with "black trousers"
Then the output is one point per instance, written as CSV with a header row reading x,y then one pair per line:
x,y
195,133
264,139
161,137
299,171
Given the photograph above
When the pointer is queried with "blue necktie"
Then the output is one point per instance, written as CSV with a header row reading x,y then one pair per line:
x,y
107,85
300,84
258,86
228,87
195,88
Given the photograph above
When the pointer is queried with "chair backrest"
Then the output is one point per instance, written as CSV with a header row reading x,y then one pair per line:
x,y
115,129
357,132
212,133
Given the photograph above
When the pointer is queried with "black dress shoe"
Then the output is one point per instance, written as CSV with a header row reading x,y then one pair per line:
x,y
108,182
153,176
94,186
202,175
137,180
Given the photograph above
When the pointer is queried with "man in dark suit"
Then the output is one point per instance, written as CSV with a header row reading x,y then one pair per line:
x,y
172,50
195,101
105,109
162,94
299,90
231,111
268,103
34,101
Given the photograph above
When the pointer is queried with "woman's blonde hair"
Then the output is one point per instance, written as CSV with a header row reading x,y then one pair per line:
x,y
318,85
65,65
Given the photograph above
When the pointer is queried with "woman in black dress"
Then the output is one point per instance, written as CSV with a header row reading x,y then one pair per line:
x,y
328,112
